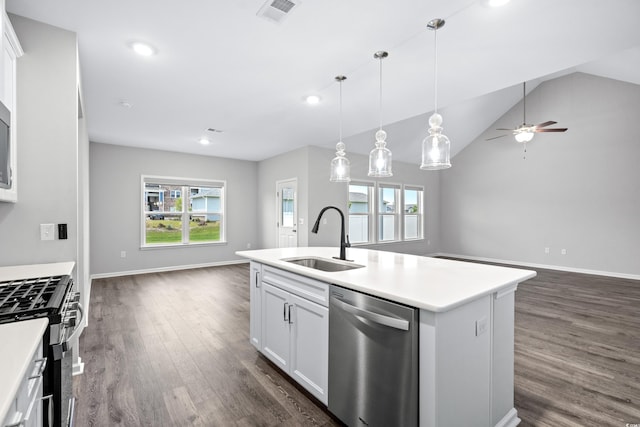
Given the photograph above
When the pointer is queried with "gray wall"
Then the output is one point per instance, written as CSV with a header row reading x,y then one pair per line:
x,y
47,135
311,166
283,167
578,190
116,205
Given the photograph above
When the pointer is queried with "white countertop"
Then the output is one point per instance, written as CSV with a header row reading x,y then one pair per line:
x,y
19,342
429,283
29,271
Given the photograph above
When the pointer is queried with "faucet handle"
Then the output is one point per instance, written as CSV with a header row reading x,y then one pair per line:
x,y
348,243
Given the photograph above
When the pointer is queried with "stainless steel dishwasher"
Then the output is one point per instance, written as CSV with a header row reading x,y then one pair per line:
x,y
373,360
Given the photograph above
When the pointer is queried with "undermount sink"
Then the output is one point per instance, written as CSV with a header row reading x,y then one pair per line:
x,y
322,264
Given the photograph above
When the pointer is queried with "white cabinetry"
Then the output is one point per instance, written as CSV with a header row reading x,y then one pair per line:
x,y
21,373
11,50
295,327
255,301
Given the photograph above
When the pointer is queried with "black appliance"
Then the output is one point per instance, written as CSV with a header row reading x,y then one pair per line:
x,y
55,298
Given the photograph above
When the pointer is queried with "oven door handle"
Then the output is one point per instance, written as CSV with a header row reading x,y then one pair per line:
x,y
78,323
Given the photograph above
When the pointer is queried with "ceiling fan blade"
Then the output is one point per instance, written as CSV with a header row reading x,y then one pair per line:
x,y
541,125
552,130
505,129
496,137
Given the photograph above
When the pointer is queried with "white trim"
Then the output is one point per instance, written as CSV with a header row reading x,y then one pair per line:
x,y
510,419
506,291
545,266
164,269
12,38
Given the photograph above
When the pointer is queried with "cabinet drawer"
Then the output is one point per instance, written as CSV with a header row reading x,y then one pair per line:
x,y
305,287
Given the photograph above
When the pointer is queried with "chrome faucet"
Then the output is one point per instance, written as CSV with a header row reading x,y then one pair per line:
x,y
344,239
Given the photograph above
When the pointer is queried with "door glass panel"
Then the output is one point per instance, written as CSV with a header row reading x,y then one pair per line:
x,y
288,199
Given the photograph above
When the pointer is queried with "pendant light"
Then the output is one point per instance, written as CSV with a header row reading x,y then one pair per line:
x,y
380,157
435,147
340,165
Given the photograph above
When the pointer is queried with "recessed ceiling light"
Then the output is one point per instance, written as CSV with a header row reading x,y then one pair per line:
x,y
204,141
312,99
143,49
495,3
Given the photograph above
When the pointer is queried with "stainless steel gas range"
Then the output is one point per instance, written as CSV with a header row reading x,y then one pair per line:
x,y
53,297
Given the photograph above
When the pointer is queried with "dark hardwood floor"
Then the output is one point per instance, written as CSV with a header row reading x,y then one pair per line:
x,y
172,349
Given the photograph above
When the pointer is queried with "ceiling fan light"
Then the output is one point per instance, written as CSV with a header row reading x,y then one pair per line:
x,y
524,136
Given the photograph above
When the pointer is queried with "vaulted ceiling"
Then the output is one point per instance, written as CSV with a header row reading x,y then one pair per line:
x,y
219,65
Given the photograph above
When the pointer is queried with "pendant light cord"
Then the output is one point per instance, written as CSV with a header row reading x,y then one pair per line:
x,y
381,92
435,70
340,120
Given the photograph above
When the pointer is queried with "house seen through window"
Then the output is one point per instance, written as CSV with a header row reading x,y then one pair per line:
x,y
179,211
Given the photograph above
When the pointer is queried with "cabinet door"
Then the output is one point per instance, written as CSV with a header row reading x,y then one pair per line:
x,y
310,346
275,325
255,301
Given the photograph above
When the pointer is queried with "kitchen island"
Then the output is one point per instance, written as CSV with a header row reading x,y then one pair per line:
x,y
466,321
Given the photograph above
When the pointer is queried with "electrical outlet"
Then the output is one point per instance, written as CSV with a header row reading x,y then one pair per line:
x,y
546,251
47,232
563,251
123,254
324,220
248,245
301,221
481,326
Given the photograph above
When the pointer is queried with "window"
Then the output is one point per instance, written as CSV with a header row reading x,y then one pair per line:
x,y
412,212
360,212
178,211
388,210
398,210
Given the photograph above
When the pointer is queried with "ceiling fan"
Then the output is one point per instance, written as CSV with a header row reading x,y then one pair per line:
x,y
524,132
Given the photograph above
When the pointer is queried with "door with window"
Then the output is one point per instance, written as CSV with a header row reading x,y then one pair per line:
x,y
287,194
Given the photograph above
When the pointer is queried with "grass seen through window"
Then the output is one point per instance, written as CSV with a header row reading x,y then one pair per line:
x,y
167,231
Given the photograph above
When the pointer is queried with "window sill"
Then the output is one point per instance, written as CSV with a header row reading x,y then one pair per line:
x,y
387,242
181,245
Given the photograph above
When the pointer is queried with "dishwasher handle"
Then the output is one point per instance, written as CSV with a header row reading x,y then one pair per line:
x,y
381,319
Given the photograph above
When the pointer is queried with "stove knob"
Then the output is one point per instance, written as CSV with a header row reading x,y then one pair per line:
x,y
70,319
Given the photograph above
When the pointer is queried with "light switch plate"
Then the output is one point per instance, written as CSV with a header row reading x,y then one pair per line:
x,y
47,232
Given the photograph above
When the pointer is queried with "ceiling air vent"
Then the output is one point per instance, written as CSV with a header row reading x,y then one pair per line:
x,y
277,10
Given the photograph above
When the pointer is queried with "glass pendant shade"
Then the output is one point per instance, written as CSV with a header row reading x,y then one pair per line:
x,y
436,147
340,165
380,157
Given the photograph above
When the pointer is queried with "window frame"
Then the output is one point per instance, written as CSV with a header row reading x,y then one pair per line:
x,y
419,213
399,214
397,226
371,223
186,185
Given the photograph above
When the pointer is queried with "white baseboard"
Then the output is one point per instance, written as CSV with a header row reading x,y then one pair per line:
x,y
510,419
545,266
163,269
78,368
